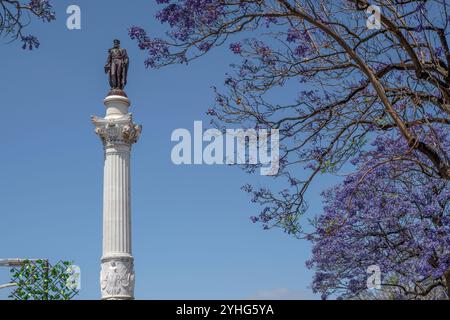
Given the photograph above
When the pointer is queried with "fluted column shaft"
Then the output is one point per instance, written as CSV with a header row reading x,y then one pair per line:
x,y
118,133
117,201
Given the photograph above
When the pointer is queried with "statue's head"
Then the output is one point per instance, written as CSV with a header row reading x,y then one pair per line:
x,y
116,43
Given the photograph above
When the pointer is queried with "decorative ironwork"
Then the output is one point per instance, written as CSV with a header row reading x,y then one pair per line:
x,y
39,280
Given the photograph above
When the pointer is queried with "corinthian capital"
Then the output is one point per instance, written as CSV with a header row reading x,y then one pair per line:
x,y
117,131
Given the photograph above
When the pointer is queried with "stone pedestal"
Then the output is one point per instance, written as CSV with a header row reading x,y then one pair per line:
x,y
117,133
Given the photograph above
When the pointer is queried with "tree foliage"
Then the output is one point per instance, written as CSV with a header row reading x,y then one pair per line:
x,y
387,214
379,97
16,15
353,83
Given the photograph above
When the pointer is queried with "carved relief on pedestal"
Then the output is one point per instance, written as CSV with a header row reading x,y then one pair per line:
x,y
117,278
117,131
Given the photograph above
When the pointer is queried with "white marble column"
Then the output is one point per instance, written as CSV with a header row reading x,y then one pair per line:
x,y
117,132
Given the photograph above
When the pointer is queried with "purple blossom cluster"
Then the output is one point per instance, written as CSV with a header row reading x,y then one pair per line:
x,y
29,42
390,215
43,9
236,47
187,15
157,49
302,39
185,18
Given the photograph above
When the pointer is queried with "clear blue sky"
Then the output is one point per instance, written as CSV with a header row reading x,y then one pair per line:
x,y
192,237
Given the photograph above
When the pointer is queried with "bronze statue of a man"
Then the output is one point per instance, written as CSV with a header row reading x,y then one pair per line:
x,y
117,68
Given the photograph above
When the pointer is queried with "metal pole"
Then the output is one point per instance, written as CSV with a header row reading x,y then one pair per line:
x,y
4,286
16,262
46,279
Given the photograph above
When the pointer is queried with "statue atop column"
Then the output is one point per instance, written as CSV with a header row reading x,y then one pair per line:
x,y
117,68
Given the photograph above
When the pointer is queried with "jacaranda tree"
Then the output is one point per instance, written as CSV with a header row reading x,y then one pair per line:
x,y
16,15
355,83
390,215
344,85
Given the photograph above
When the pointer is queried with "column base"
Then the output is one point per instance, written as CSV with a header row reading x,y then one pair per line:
x,y
117,277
